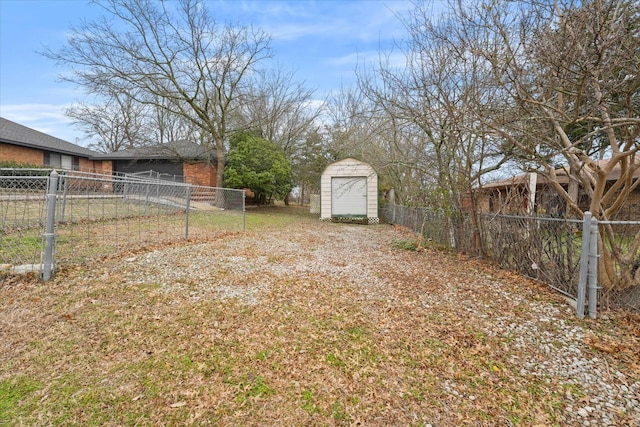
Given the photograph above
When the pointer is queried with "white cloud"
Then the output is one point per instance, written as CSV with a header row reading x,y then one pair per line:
x,y
370,58
46,118
32,112
366,21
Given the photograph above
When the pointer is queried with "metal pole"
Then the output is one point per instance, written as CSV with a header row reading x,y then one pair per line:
x,y
64,197
584,265
244,212
593,269
146,200
188,207
48,235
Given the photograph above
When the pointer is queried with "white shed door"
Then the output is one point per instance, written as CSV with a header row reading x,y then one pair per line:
x,y
349,196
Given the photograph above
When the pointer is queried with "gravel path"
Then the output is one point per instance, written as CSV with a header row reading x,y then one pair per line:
x,y
391,336
539,331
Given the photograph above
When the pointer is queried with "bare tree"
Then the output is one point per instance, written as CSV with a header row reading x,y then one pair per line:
x,y
349,126
431,103
179,59
114,125
570,77
283,111
281,108
166,127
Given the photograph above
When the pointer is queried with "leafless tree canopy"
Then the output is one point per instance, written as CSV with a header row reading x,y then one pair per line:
x,y
570,75
172,56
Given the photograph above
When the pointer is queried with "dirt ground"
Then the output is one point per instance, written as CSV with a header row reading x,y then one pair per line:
x,y
308,323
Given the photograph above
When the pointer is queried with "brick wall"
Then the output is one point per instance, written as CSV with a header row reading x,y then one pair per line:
x,y
510,200
23,155
33,156
106,166
199,174
86,165
97,166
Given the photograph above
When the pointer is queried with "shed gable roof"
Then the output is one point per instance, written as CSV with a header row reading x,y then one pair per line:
x,y
348,166
16,134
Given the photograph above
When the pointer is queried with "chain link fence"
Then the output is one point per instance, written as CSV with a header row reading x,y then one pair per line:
x,y
22,213
157,176
544,249
435,226
623,234
96,215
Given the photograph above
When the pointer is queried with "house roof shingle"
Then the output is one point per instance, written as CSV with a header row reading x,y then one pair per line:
x,y
16,134
561,175
181,149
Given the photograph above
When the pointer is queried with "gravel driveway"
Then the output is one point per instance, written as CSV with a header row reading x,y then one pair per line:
x,y
537,328
391,336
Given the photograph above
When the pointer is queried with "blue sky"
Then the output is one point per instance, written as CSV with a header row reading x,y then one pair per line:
x,y
322,41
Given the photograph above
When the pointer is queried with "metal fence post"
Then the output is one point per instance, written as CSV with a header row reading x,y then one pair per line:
x,y
584,264
593,268
48,235
64,197
187,208
146,198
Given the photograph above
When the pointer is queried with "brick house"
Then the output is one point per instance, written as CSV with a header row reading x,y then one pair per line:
x,y
515,196
183,160
26,146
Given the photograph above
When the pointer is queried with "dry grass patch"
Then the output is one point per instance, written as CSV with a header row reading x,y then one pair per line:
x,y
298,322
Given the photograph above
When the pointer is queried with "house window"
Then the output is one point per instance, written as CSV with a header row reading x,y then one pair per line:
x,y
57,160
66,162
52,159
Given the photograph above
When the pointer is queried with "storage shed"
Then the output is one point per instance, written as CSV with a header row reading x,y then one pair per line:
x,y
349,192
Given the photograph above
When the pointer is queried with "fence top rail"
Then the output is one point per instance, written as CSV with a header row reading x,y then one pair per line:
x,y
44,174
114,175
24,177
541,218
92,176
160,176
535,218
619,222
118,180
204,187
